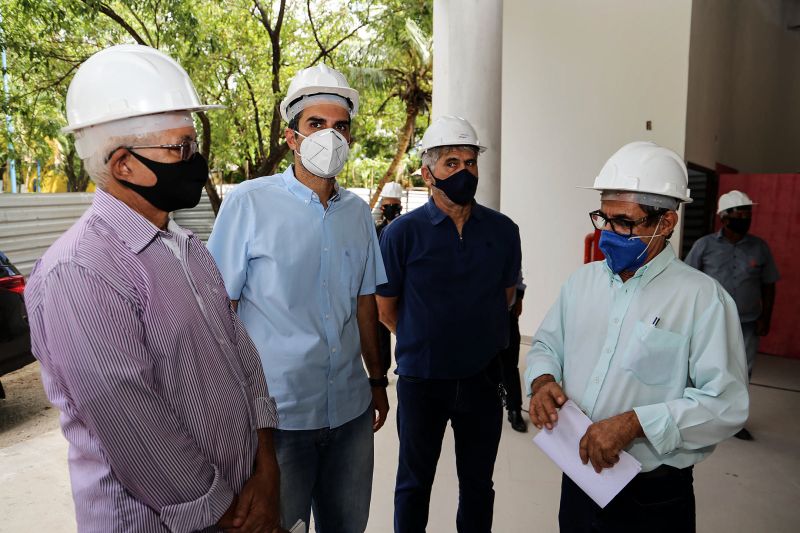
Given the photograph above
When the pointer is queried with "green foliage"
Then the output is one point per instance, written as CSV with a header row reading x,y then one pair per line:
x,y
239,53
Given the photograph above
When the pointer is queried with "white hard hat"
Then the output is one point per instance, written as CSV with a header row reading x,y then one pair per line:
x,y
448,130
732,199
319,79
392,190
645,167
126,81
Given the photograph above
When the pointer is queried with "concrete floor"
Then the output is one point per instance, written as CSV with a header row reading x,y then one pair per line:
x,y
744,486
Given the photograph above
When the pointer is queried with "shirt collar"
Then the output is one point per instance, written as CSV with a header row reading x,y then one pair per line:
x,y
721,237
648,271
436,215
134,230
305,194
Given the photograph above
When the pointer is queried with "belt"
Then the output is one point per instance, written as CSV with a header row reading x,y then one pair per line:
x,y
665,471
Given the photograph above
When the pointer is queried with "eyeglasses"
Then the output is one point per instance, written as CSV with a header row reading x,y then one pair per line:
x,y
620,226
187,148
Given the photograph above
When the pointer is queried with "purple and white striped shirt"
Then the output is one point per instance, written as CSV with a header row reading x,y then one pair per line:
x,y
160,388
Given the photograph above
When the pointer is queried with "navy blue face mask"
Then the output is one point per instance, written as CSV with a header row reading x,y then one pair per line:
x,y
459,187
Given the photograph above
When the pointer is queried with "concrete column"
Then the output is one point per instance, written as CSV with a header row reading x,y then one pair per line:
x,y
467,57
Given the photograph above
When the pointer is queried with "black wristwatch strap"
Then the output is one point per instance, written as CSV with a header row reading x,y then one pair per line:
x,y
379,382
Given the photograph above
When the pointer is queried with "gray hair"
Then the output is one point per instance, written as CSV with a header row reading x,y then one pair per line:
x,y
97,164
432,155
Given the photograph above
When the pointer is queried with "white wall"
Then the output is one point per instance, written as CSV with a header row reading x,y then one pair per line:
x,y
744,85
467,41
580,79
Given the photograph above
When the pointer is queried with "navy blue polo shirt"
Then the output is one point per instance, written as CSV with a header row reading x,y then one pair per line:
x,y
452,310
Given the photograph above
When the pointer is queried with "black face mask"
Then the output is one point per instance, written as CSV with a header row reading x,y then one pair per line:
x,y
740,226
460,187
178,185
391,211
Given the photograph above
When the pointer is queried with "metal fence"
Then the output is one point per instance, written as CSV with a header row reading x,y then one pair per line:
x,y
31,222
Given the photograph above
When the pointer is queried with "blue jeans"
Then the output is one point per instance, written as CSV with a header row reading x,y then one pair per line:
x,y
329,471
474,409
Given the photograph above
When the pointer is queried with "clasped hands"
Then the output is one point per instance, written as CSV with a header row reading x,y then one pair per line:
x,y
603,440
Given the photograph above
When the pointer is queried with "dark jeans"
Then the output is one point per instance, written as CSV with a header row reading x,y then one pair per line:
x,y
657,501
473,407
509,359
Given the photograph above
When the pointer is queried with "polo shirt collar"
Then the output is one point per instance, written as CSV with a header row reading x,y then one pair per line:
x,y
132,228
303,193
436,215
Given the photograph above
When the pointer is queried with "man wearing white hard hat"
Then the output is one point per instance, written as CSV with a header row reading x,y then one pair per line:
x,y
453,267
743,264
647,347
162,397
390,208
301,260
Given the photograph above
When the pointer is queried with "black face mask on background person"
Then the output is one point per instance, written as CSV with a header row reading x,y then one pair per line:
x,y
178,185
391,211
460,187
740,226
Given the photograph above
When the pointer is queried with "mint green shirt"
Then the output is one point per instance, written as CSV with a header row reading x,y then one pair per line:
x,y
685,376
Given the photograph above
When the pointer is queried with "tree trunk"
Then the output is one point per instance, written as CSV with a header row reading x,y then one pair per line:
x,y
205,150
402,146
270,164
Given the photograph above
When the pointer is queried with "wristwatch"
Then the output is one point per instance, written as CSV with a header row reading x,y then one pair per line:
x,y
379,382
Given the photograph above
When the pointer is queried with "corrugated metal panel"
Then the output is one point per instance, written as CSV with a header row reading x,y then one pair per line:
x,y
200,220
30,223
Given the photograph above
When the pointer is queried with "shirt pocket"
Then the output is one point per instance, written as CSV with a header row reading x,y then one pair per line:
x,y
352,270
655,355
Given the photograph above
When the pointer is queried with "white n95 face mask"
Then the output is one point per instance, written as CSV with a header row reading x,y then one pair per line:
x,y
324,152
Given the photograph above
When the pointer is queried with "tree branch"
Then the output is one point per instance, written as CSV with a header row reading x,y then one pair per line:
x,y
141,23
110,13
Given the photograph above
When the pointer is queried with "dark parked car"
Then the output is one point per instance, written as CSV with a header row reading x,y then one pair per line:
x,y
15,335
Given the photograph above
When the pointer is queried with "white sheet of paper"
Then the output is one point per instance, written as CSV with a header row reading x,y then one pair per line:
x,y
298,527
561,445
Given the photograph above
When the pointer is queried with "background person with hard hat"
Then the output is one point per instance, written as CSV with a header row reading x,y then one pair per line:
x,y
162,396
391,207
649,348
743,264
452,266
301,259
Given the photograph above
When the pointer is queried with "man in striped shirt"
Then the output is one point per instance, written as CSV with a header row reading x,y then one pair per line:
x,y
162,395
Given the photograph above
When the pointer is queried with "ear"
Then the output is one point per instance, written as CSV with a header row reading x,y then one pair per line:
x,y
291,139
427,177
670,222
120,166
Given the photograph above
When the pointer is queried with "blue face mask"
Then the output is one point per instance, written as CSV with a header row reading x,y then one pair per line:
x,y
622,253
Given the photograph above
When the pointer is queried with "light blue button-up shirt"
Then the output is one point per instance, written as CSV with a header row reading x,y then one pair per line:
x,y
297,270
667,344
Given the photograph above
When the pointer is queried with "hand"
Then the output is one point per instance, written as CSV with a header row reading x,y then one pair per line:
x,y
547,397
762,327
380,402
603,440
517,309
257,507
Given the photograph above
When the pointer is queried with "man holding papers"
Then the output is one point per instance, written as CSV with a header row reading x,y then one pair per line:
x,y
649,348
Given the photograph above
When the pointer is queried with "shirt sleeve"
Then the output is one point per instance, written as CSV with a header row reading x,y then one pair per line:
x,y
109,376
513,268
546,355
393,260
695,256
715,404
374,272
770,272
265,406
230,241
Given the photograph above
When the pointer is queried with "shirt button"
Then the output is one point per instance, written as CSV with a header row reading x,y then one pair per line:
x,y
327,317
333,350
608,350
324,283
331,382
616,321
597,380
324,249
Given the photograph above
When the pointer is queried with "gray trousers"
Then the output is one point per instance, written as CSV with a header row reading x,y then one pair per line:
x,y
750,344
